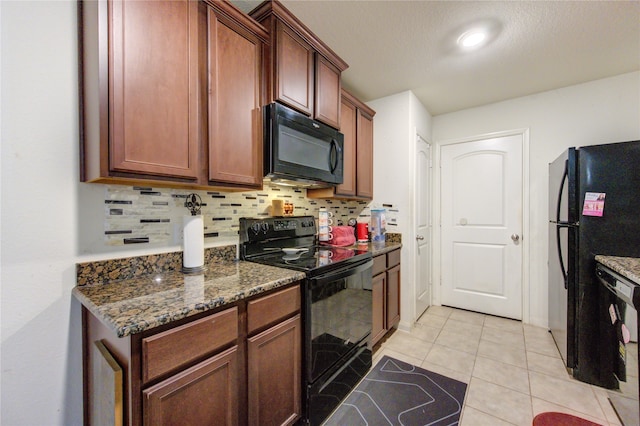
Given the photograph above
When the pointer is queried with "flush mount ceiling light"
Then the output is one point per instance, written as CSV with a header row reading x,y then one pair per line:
x,y
472,39
471,36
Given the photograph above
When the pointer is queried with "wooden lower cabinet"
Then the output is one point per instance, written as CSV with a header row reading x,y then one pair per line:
x,y
274,374
240,365
204,394
393,296
386,294
379,288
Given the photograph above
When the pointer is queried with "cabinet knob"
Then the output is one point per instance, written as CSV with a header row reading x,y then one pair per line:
x,y
419,237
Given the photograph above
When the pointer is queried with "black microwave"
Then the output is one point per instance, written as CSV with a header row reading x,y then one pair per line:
x,y
300,151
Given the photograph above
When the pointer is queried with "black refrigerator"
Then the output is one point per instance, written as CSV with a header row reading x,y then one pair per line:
x,y
594,208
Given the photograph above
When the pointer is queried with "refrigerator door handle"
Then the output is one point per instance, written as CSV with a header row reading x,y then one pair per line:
x,y
565,177
560,224
562,268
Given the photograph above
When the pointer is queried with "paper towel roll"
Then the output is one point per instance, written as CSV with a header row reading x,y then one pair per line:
x,y
193,254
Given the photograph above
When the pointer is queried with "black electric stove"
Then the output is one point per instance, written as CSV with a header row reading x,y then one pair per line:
x,y
336,305
263,241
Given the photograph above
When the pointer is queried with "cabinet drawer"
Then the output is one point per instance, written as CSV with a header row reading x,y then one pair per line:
x,y
393,258
379,264
177,347
269,309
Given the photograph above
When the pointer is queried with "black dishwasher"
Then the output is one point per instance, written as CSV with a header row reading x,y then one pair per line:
x,y
616,294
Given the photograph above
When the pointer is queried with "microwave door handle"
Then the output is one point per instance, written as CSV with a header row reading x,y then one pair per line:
x,y
333,156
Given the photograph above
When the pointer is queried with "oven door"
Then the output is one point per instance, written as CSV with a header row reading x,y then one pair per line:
x,y
338,317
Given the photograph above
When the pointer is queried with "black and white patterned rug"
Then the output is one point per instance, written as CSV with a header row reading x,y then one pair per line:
x,y
397,393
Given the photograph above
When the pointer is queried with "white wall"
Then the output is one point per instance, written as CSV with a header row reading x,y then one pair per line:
x,y
398,118
41,356
601,111
50,221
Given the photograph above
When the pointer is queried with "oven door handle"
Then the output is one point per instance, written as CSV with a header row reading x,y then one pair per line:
x,y
342,273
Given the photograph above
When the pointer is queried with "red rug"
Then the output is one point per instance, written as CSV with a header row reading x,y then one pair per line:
x,y
552,418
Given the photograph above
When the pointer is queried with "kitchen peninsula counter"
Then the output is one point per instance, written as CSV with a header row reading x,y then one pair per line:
x,y
137,304
137,294
377,248
628,267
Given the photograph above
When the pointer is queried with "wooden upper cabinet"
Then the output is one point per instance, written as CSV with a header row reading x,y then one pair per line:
x,y
349,114
364,148
294,70
356,124
327,99
235,79
153,91
172,93
304,73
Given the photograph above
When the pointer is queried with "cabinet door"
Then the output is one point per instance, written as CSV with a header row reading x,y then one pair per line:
x,y
154,116
393,297
205,394
348,119
275,374
235,88
365,155
379,289
327,93
294,80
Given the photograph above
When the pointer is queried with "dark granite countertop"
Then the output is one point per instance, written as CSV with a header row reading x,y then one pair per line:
x,y
377,248
628,267
137,304
136,294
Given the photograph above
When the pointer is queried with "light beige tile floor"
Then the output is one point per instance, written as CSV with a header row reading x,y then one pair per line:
x,y
513,371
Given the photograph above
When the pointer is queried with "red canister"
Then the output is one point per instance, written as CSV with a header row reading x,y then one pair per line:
x,y
362,231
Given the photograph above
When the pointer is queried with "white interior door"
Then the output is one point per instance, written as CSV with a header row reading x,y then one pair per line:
x,y
423,226
481,221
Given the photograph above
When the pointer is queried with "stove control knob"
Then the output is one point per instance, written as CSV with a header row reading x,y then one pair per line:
x,y
265,227
255,227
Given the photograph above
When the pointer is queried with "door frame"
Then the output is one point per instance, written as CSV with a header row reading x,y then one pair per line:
x,y
436,295
413,233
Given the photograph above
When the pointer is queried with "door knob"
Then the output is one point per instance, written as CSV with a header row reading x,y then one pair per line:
x,y
515,237
419,237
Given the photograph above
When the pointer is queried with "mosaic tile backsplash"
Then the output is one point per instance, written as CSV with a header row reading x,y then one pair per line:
x,y
139,215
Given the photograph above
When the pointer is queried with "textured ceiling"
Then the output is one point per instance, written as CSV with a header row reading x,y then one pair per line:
x,y
393,46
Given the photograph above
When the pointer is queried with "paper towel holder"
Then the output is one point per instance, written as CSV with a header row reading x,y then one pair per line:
x,y
193,202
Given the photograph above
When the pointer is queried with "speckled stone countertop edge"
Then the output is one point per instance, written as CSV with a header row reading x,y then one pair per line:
x,y
384,247
376,248
628,267
125,322
114,315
